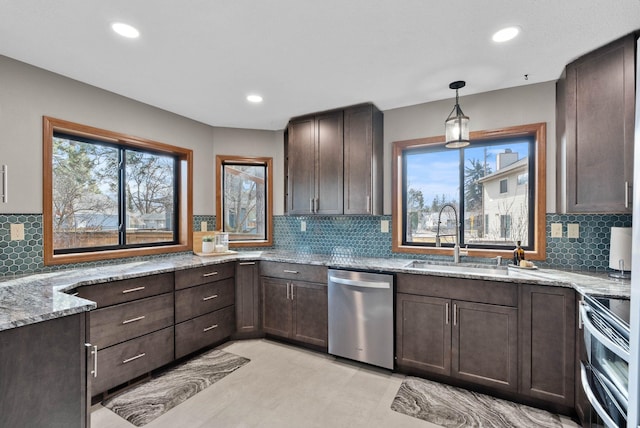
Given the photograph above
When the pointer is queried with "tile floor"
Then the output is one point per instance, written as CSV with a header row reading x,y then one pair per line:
x,y
286,386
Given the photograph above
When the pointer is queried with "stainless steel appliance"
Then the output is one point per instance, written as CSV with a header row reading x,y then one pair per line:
x,y
361,316
605,373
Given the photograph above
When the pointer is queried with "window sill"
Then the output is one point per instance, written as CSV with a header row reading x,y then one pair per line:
x,y
59,259
471,252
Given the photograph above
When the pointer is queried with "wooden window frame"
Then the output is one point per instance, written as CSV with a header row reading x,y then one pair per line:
x,y
184,186
263,161
537,130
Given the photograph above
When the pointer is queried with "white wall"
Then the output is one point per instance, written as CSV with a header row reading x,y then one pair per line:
x,y
486,111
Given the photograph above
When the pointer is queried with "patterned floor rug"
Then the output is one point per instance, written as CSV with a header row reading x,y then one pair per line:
x,y
145,402
454,407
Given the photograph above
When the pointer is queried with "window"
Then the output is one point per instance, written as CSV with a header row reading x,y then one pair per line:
x,y
243,200
428,178
107,195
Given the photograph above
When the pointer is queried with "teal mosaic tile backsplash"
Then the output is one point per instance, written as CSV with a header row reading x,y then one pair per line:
x,y
341,235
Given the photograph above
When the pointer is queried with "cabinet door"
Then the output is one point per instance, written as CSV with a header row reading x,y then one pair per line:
x,y
600,109
310,323
301,162
485,344
362,160
548,343
329,164
423,333
276,307
247,298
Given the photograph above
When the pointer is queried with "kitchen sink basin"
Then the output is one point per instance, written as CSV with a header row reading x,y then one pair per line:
x,y
472,268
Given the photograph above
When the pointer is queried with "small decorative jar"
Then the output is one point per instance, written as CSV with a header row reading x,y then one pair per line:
x,y
207,244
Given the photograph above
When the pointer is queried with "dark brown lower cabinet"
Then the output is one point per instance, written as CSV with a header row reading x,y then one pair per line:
x,y
547,337
474,342
295,310
203,331
248,320
43,374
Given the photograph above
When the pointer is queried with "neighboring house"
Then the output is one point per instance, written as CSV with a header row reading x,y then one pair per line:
x,y
504,200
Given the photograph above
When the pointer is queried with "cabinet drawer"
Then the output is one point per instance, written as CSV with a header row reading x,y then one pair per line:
x,y
471,290
204,330
196,301
116,324
295,271
112,293
202,275
120,363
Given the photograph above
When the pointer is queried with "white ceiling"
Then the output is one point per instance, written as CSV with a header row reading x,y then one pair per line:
x,y
200,58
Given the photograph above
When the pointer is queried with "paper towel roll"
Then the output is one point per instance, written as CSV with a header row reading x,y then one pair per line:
x,y
620,248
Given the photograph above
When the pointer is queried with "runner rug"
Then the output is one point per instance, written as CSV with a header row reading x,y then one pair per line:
x,y
453,407
145,402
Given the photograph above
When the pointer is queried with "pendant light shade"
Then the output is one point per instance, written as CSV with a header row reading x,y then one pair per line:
x,y
457,124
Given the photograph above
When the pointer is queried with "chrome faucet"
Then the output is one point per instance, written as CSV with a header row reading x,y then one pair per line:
x,y
456,246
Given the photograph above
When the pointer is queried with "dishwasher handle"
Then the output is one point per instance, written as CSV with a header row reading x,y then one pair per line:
x,y
357,283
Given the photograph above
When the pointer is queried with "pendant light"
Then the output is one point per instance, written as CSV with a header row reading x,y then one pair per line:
x,y
457,124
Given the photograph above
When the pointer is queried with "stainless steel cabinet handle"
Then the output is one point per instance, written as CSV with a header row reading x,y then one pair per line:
x,y
311,204
140,318
287,291
369,204
5,183
446,313
246,263
94,354
131,290
205,275
210,328
627,189
289,271
128,360
455,314
214,296
291,285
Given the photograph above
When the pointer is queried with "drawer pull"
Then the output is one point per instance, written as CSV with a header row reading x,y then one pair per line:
x,y
210,328
290,271
133,319
75,294
131,290
128,360
204,299
204,275
246,263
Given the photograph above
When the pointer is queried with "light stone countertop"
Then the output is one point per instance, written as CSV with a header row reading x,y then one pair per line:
x,y
39,297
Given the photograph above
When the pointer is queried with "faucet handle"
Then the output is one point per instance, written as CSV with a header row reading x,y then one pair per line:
x,y
499,260
464,252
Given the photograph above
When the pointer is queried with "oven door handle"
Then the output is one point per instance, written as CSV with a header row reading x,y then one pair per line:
x,y
593,400
595,332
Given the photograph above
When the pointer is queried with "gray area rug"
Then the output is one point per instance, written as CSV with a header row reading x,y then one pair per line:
x,y
144,403
451,407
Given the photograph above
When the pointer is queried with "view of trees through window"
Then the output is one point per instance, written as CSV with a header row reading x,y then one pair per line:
x,y
488,184
110,196
244,201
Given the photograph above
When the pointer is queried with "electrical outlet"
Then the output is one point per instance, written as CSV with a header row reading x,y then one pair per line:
x,y
556,230
203,226
384,226
17,232
573,230
303,226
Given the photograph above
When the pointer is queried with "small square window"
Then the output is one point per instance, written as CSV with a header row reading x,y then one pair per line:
x,y
503,186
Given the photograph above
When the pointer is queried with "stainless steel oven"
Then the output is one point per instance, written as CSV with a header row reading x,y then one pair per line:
x,y
605,373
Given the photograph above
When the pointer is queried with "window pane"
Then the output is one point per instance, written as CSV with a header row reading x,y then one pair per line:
x,y
497,193
432,180
85,194
244,201
149,191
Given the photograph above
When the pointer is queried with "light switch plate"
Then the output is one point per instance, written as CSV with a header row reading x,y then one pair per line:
x,y
573,230
556,230
17,232
303,226
203,226
384,226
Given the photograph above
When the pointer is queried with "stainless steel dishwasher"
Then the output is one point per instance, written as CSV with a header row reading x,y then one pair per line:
x,y
361,316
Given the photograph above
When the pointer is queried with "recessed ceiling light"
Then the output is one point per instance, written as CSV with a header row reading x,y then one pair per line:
x,y
254,98
125,30
505,34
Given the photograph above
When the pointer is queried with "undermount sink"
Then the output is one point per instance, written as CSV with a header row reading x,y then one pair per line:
x,y
472,268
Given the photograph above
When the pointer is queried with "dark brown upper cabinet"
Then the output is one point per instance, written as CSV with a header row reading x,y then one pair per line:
x,y
334,162
595,116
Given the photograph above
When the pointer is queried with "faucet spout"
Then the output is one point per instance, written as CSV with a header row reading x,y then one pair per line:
x,y
456,246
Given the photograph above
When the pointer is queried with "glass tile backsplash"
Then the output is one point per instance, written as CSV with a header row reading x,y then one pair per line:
x,y
341,236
